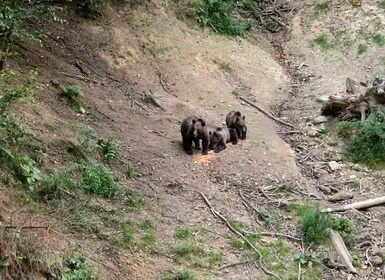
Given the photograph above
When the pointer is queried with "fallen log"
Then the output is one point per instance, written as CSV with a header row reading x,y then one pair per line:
x,y
358,205
341,249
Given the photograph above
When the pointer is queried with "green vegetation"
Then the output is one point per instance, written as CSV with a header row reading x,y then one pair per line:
x,y
324,43
15,140
322,8
147,225
379,40
362,48
219,15
134,201
381,4
78,269
315,225
98,179
71,95
183,233
235,93
181,275
224,66
368,143
347,129
325,128
109,149
131,171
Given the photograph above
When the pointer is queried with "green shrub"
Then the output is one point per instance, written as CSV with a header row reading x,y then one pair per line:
x,y
348,128
133,200
368,144
217,14
181,275
131,171
98,179
86,137
315,225
54,186
323,42
77,268
109,149
379,40
71,94
15,141
362,48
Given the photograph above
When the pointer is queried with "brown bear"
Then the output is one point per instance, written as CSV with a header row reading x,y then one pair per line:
x,y
235,120
194,129
220,136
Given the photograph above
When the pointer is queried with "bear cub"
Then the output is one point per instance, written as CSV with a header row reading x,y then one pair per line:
x,y
220,136
193,129
235,120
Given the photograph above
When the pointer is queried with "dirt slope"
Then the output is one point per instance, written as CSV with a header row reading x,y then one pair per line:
x,y
134,51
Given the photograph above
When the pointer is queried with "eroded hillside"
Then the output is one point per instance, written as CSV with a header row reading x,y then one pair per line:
x,y
142,71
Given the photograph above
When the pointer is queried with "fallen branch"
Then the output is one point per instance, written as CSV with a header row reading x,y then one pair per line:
x,y
266,113
341,249
79,77
273,234
234,264
224,220
358,205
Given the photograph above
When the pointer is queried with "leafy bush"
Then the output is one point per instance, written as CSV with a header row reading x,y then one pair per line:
x,y
109,149
78,269
55,186
14,139
218,14
315,225
98,179
181,275
71,94
368,144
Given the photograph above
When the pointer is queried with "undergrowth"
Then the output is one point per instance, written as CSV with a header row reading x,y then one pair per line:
x,y
368,143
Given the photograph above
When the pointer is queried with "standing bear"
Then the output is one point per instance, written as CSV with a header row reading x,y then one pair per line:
x,y
235,120
194,129
220,136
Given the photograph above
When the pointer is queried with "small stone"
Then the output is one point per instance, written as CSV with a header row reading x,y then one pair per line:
x,y
325,190
378,252
312,132
323,98
340,196
320,119
333,165
376,260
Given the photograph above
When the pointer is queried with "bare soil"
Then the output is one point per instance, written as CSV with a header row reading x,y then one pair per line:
x,y
134,51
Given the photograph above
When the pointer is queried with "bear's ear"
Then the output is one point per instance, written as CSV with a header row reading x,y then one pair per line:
x,y
210,133
203,123
237,113
237,119
219,129
243,117
194,121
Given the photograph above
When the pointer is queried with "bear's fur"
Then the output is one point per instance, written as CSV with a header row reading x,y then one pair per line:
x,y
235,120
220,136
194,129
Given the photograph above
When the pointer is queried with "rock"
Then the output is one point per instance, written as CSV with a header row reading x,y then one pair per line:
x,y
378,252
320,119
333,165
376,260
326,178
340,196
313,132
323,98
325,189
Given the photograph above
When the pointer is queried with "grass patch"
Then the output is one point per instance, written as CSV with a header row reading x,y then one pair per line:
x,y
98,179
147,241
71,94
183,233
78,269
147,225
323,42
181,275
322,8
131,171
315,225
127,237
218,15
224,66
134,201
362,48
368,143
325,129
109,149
381,4
379,40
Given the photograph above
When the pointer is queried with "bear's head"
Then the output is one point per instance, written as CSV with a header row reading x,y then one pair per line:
x,y
214,137
199,127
